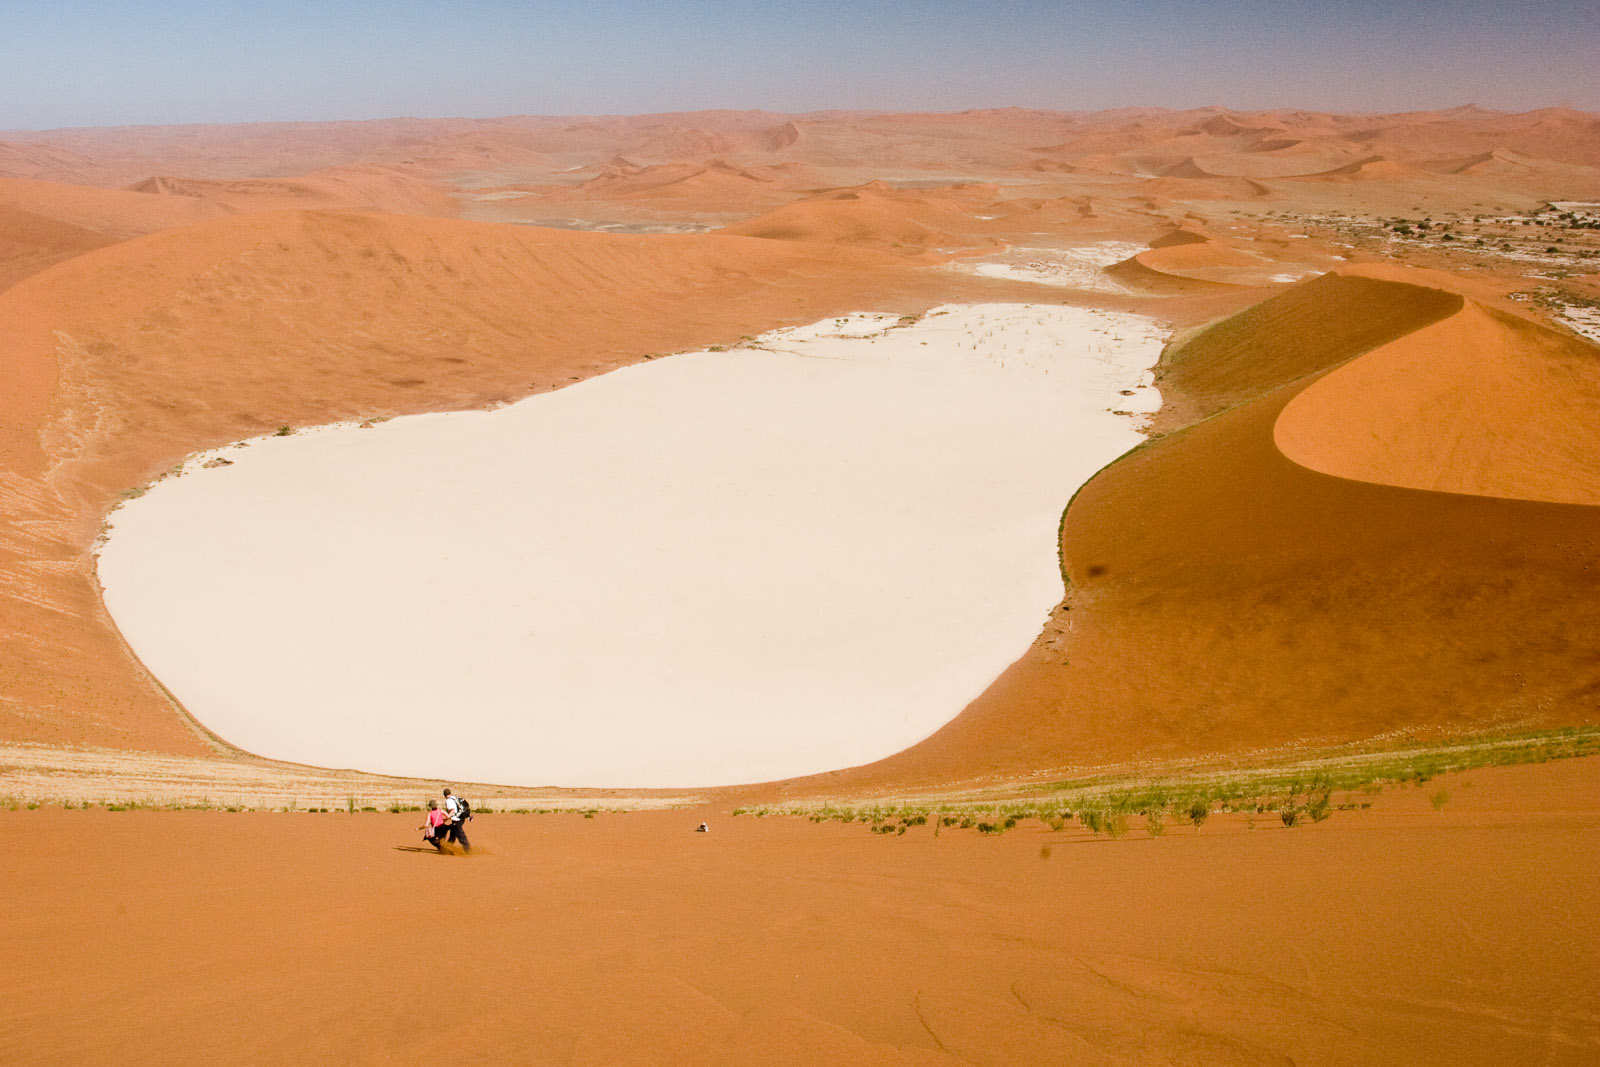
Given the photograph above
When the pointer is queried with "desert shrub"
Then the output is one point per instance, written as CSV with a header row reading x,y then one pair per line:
x,y
1197,813
1439,800
1289,814
1154,824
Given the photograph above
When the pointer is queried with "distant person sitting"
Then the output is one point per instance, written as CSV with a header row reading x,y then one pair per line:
x,y
457,812
434,828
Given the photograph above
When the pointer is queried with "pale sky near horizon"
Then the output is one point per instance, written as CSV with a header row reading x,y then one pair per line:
x,y
84,63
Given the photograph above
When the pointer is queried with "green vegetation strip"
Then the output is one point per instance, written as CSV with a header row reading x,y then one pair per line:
x,y
1306,789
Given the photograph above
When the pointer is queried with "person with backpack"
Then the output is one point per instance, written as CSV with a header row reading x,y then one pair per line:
x,y
457,811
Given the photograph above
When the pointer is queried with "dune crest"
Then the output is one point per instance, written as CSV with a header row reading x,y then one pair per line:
x,y
1480,402
1223,598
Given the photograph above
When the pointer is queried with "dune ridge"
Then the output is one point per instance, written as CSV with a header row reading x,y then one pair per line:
x,y
1223,598
1480,403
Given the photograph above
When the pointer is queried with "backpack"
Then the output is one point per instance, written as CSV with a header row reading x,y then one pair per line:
x,y
463,809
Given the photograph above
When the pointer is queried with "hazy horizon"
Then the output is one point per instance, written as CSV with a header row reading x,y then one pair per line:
x,y
79,63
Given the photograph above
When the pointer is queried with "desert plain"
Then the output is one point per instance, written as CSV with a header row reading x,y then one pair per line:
x,y
1251,717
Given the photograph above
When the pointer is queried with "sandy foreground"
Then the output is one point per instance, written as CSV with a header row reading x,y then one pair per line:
x,y
664,576
1401,934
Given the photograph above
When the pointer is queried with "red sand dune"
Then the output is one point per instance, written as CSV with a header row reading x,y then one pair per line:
x,y
1498,161
29,243
1185,260
1224,598
114,213
365,188
1371,168
1187,234
1481,403
872,216
714,188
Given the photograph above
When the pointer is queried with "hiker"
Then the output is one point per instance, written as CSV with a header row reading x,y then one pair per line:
x,y
434,828
457,812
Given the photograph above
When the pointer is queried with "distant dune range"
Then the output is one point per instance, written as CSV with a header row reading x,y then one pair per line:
x,y
1373,507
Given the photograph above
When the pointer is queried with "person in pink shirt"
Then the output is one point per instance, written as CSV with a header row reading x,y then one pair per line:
x,y
433,830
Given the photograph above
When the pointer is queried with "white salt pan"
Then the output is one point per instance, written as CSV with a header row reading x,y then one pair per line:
x,y
1081,267
712,568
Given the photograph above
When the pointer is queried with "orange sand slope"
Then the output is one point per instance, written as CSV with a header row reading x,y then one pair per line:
x,y
127,358
1224,597
1400,934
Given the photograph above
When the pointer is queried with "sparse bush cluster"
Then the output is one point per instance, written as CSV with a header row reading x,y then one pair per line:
x,y
1298,794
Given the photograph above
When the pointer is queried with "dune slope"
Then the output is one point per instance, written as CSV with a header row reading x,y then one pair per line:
x,y
1224,598
1481,403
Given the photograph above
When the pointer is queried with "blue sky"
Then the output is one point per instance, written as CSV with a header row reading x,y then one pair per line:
x,y
75,63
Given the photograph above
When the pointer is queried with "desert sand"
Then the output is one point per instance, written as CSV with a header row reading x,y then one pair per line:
x,y
1366,518
1404,933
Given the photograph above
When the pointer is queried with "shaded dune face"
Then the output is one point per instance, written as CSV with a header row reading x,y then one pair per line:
x,y
1316,325
1224,598
121,361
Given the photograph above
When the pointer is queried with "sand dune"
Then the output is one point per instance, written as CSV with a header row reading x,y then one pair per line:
x,y
114,213
1263,603
709,188
1371,168
1187,168
1498,161
367,188
872,216
1480,402
1186,260
29,243
1208,187
43,162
